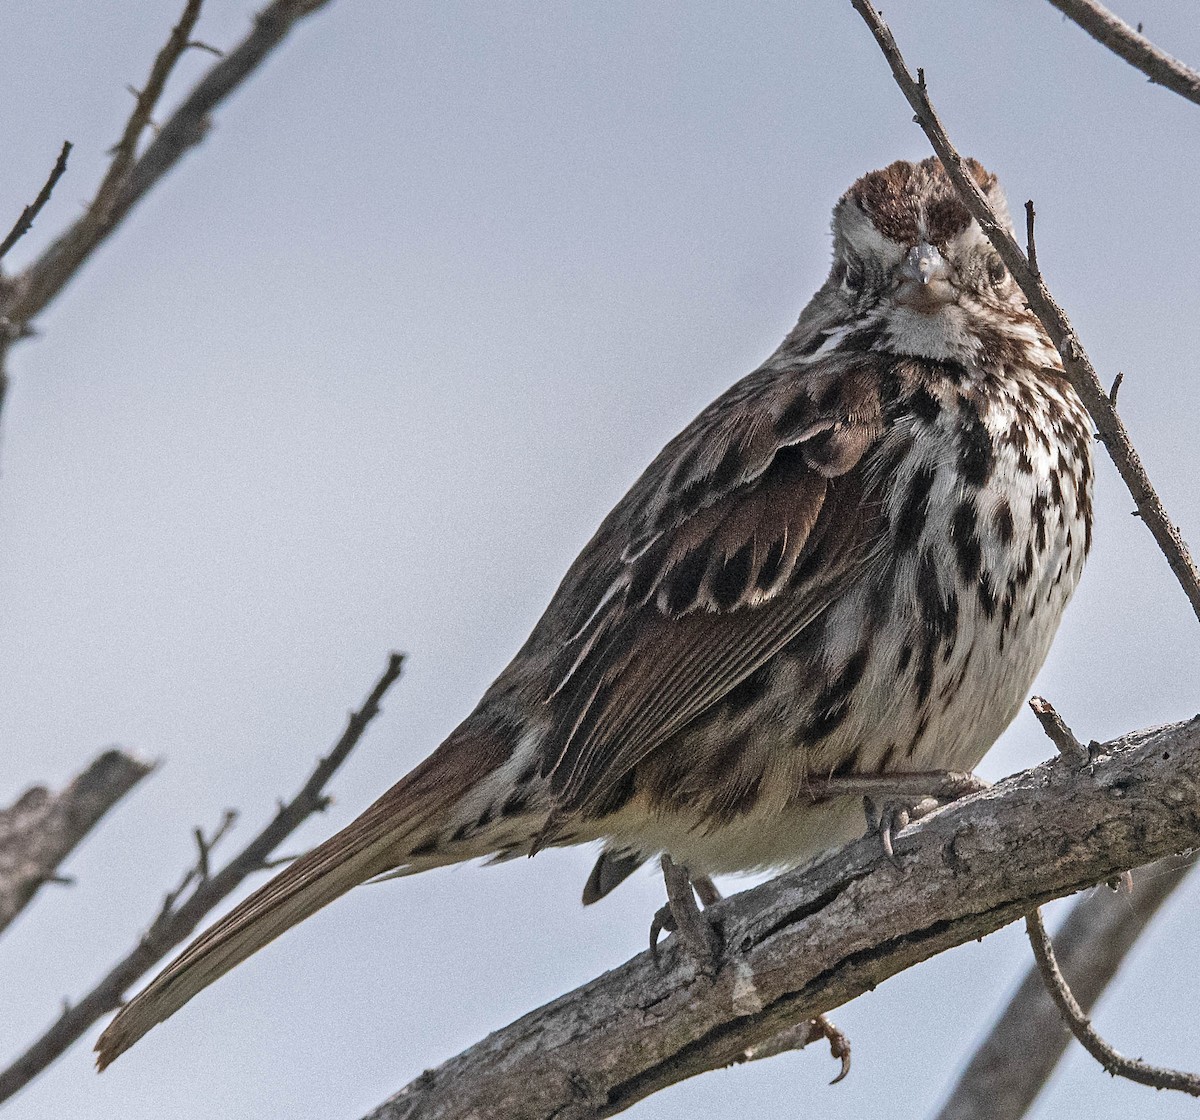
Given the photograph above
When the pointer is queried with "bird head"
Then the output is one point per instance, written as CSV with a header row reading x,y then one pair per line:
x,y
903,235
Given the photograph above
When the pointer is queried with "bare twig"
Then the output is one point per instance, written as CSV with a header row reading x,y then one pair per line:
x,y
204,847
942,784
1030,241
41,829
130,176
806,942
1157,1077
1014,1062
147,98
1075,360
25,222
1131,45
176,920
1060,734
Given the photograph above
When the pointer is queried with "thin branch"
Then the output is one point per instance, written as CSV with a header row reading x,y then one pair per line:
x,y
25,222
1078,366
1157,1077
41,829
281,861
208,48
125,150
1027,1041
1058,732
804,943
1030,241
129,177
176,920
204,847
1113,32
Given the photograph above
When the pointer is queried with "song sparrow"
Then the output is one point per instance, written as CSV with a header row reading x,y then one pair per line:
x,y
852,563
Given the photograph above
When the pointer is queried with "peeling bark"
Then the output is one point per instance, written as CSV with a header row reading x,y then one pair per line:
x,y
40,830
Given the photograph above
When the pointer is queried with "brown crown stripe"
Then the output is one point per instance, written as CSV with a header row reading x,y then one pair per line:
x,y
897,198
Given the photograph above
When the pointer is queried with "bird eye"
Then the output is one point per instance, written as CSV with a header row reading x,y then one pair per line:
x,y
996,270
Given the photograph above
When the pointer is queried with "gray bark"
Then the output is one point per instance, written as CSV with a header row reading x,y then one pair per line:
x,y
1131,45
40,830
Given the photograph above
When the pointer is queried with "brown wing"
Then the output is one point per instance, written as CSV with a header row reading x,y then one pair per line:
x,y
742,532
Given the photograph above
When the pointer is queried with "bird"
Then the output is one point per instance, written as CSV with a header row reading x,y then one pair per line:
x,y
847,569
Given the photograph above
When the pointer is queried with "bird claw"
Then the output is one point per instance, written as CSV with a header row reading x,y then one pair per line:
x,y
914,796
892,818
884,822
698,935
839,1044
662,922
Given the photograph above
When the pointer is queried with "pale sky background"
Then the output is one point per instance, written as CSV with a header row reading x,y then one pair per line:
x,y
366,371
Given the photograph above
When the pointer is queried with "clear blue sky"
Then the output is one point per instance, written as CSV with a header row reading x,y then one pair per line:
x,y
365,373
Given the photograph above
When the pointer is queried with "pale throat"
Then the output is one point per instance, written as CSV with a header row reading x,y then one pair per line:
x,y
942,335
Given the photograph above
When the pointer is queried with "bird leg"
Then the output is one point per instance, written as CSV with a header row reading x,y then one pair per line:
x,y
945,785
893,801
706,890
681,915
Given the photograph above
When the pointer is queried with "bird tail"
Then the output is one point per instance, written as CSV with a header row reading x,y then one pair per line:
x,y
381,839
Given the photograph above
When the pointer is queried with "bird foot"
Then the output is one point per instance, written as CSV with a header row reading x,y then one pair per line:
x,y
800,1035
698,935
893,817
894,801
839,1044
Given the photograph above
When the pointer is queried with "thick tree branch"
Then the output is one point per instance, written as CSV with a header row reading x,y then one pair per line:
x,y
177,919
1113,32
808,941
41,829
1075,360
1023,1048
130,176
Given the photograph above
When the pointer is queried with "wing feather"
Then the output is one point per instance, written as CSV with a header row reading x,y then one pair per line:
x,y
741,533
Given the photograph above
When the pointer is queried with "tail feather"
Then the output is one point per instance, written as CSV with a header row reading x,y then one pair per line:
x,y
612,869
375,842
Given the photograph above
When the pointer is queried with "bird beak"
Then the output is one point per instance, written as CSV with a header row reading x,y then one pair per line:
x,y
925,279
924,264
